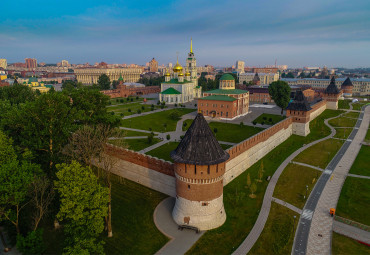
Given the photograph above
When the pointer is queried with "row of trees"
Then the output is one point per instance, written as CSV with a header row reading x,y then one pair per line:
x,y
48,143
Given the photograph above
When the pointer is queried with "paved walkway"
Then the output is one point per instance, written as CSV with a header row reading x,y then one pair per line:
x,y
313,235
359,176
153,146
307,165
351,232
283,203
181,241
256,231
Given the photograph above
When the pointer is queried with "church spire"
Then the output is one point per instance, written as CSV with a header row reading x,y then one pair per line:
x,y
191,45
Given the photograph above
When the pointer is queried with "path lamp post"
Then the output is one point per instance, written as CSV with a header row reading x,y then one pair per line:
x,y
306,190
294,222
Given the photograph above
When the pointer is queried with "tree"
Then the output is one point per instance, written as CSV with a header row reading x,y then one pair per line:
x,y
260,172
215,130
248,180
175,115
69,85
17,94
82,209
114,84
253,189
104,82
280,93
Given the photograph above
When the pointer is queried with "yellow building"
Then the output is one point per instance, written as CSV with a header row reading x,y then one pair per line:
x,y
91,75
36,85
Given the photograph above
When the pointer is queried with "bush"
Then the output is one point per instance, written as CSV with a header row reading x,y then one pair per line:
x,y
195,105
215,130
270,119
121,100
185,124
142,108
241,123
132,100
117,100
129,110
32,243
181,137
254,122
138,111
263,123
150,138
109,103
168,137
175,115
128,99
152,106
112,113
175,105
137,98
264,118
162,106
122,114
158,103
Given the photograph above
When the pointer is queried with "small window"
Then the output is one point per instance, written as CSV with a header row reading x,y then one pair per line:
x,y
188,186
204,203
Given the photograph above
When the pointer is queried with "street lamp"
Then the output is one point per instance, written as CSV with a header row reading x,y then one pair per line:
x,y
306,190
293,222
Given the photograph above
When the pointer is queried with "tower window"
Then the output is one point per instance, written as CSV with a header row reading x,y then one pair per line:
x,y
208,170
188,186
195,169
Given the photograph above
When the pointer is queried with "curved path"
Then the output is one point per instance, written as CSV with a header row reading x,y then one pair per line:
x,y
256,231
181,241
314,232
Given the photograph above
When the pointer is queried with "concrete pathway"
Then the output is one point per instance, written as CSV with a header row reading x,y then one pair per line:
x,y
256,231
227,143
139,130
314,232
351,232
283,203
181,241
153,146
307,165
359,176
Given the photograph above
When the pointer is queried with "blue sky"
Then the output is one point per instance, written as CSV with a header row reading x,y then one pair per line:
x,y
297,33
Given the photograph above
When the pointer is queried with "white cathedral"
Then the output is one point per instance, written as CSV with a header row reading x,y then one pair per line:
x,y
177,88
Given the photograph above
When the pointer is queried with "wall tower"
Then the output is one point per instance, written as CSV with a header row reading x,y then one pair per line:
x,y
199,170
299,109
331,95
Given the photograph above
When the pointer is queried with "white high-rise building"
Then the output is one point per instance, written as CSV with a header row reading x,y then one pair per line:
x,y
240,66
3,63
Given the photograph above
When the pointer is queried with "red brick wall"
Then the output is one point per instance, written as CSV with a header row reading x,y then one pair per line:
x,y
142,160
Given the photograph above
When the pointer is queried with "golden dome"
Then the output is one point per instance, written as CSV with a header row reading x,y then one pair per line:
x,y
177,68
187,74
181,74
167,74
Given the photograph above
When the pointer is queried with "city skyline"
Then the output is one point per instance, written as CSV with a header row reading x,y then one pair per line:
x,y
331,33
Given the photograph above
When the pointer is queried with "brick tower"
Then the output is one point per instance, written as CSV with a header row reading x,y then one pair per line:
x,y
331,95
347,88
299,109
199,170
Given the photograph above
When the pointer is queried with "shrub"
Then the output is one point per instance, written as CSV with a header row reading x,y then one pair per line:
x,y
185,124
32,243
132,100
168,137
162,106
137,98
215,130
117,100
109,103
128,99
181,137
175,115
264,118
142,107
158,103
270,119
122,114
175,105
152,106
195,105
129,110
150,138
138,111
263,123
112,113
241,123
254,122
121,100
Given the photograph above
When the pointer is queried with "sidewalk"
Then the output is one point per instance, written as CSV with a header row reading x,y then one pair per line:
x,y
351,232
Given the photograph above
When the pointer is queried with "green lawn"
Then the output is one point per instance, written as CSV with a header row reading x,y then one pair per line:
x,y
134,231
320,154
357,106
343,132
225,146
354,200
367,137
228,132
139,144
343,104
163,152
278,234
291,186
342,245
242,214
352,114
131,108
125,101
342,122
156,121
265,117
135,133
361,165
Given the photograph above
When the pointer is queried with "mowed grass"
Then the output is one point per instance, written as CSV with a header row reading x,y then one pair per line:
x,y
134,231
361,166
131,108
343,104
163,152
228,132
352,114
343,132
126,100
265,118
343,122
156,121
139,144
354,200
135,133
357,106
342,245
242,213
320,154
278,234
291,186
367,137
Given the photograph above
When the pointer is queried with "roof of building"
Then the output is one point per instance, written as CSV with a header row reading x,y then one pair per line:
x,y
176,81
332,88
299,103
227,91
219,98
227,77
170,91
347,82
32,79
199,146
256,77
120,78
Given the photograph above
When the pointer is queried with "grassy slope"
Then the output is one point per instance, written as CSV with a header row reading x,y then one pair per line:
x,y
343,104
241,215
155,121
320,154
278,234
342,122
163,152
291,186
354,200
343,132
342,245
361,165
352,114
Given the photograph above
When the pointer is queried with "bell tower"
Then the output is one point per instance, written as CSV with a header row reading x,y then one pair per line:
x,y
191,65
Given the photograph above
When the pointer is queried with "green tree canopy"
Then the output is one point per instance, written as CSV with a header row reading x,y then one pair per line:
x,y
280,93
83,208
17,94
104,82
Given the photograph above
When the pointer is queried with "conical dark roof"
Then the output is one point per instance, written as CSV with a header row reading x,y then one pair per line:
x,y
199,146
299,103
256,77
332,88
347,82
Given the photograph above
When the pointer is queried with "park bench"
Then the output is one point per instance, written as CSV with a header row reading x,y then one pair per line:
x,y
181,227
